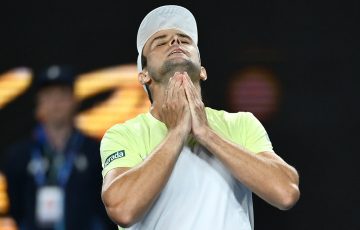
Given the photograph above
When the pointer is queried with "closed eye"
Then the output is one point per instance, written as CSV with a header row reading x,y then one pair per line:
x,y
185,39
161,44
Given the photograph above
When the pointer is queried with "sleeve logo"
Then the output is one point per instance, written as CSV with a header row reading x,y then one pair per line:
x,y
114,156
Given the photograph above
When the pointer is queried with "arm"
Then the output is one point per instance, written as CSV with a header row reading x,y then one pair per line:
x,y
266,174
129,192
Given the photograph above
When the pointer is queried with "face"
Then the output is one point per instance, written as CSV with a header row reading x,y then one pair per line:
x,y
170,51
55,105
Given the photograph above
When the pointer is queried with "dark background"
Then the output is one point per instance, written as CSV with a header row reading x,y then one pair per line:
x,y
312,46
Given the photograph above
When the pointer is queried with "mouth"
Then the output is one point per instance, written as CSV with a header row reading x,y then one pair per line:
x,y
177,51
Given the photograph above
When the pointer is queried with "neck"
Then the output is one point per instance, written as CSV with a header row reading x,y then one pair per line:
x,y
58,135
158,94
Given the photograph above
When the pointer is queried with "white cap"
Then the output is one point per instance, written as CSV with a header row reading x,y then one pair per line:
x,y
163,18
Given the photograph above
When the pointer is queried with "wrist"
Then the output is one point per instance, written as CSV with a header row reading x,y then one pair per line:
x,y
179,133
202,135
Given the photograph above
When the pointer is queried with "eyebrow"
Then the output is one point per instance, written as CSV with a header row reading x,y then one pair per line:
x,y
164,36
158,38
183,35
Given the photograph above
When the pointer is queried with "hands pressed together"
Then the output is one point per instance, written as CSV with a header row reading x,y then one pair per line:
x,y
183,109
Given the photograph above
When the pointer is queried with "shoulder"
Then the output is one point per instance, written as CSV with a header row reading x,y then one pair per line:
x,y
232,125
127,127
227,117
126,132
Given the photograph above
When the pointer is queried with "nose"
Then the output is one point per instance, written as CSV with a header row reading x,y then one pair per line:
x,y
175,40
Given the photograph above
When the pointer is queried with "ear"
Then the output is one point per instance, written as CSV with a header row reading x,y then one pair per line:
x,y
203,74
144,77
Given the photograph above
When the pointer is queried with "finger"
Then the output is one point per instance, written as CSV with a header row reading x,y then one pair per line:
x,y
167,89
177,85
170,88
171,79
180,95
195,101
178,81
190,94
191,84
194,91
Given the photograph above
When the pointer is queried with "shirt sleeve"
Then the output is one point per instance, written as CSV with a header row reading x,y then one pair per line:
x,y
257,139
118,149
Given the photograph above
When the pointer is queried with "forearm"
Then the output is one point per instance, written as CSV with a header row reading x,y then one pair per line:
x,y
267,175
130,194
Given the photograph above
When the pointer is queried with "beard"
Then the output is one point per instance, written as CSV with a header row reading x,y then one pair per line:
x,y
169,67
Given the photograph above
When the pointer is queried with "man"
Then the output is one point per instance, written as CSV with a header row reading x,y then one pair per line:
x,y
53,176
183,165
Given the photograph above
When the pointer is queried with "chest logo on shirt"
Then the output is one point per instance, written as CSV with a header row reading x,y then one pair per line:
x,y
114,156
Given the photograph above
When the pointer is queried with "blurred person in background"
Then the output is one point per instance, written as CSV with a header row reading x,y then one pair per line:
x,y
183,165
54,180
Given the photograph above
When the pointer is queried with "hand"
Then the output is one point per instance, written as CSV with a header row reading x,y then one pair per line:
x,y
199,123
175,112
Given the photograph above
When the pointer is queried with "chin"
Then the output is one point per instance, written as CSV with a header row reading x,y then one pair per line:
x,y
180,65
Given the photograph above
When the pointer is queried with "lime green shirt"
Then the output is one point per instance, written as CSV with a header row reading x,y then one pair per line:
x,y
128,144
